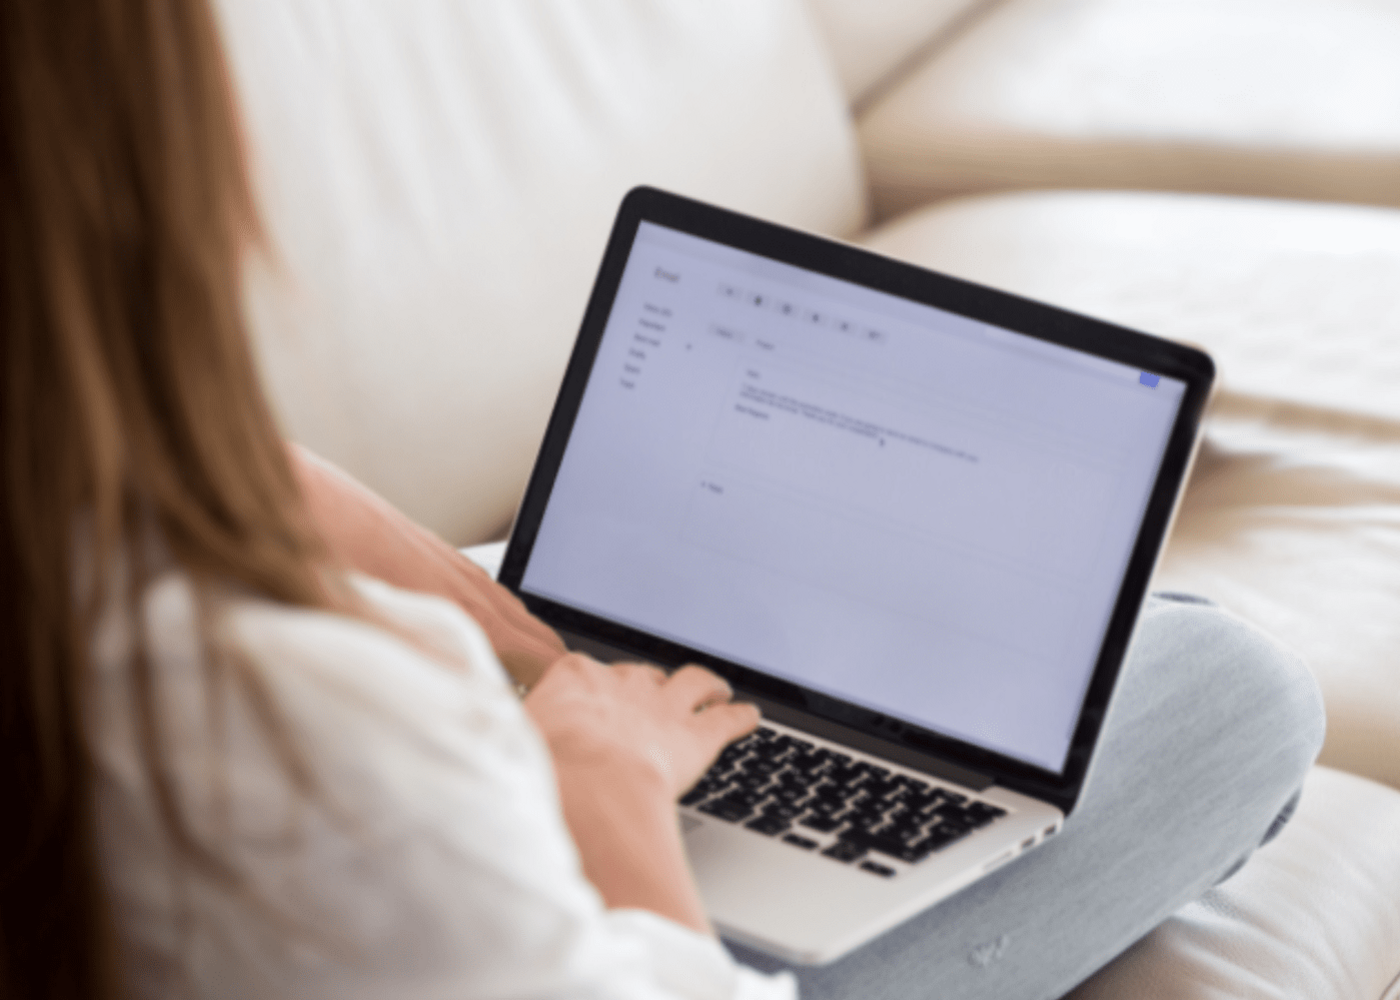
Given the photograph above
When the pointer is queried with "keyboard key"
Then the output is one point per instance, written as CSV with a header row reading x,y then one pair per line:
x,y
979,814
878,788
892,846
910,786
732,806
751,782
844,775
820,823
789,793
949,813
844,851
914,853
921,802
799,841
862,821
904,826
727,809
769,825
941,836
875,868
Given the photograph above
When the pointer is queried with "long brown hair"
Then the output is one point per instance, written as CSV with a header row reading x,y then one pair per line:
x,y
129,399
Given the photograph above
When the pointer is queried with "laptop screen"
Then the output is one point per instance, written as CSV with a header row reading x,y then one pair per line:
x,y
897,506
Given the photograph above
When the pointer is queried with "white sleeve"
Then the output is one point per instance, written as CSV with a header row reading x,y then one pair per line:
x,y
439,865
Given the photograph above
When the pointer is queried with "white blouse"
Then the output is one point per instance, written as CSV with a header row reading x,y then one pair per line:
x,y
432,859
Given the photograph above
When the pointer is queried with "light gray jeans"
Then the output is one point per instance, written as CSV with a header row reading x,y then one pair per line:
x,y
1206,743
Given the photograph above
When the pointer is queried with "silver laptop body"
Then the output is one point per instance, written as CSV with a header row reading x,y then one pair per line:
x,y
912,518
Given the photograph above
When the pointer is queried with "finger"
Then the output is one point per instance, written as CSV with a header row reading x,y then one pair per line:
x,y
692,688
577,661
723,724
639,672
569,671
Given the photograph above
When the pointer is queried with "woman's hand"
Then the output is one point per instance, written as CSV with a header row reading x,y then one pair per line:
x,y
633,719
627,740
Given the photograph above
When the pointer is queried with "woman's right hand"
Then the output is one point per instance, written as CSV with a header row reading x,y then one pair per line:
x,y
627,740
632,720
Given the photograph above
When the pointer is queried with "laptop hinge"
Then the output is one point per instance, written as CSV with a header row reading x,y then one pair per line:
x,y
854,738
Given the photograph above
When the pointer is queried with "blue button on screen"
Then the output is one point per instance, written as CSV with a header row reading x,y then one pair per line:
x,y
1149,380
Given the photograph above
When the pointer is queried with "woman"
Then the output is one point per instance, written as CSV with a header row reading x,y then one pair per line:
x,y
242,771
153,711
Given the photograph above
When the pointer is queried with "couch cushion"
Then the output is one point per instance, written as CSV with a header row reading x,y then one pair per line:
x,y
1314,914
1297,98
438,179
1292,516
871,41
1298,302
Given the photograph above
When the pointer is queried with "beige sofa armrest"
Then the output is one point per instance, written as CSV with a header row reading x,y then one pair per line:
x,y
1291,98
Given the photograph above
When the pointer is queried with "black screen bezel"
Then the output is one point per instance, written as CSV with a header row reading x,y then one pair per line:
x,y
850,263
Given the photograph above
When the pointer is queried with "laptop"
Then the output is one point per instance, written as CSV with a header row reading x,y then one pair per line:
x,y
911,518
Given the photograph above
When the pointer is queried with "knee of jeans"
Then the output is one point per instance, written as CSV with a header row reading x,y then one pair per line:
x,y
1248,668
1279,676
1290,694
1303,707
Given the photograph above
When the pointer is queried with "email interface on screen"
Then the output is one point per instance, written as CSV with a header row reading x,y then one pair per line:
x,y
897,506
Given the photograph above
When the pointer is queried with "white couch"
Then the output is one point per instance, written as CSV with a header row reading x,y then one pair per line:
x,y
438,177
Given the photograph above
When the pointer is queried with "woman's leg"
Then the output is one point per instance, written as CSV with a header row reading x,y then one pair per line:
x,y
1210,733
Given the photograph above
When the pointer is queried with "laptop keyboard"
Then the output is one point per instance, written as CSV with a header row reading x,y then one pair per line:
x,y
818,799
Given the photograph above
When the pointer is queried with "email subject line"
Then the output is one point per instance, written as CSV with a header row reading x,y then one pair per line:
x,y
759,396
